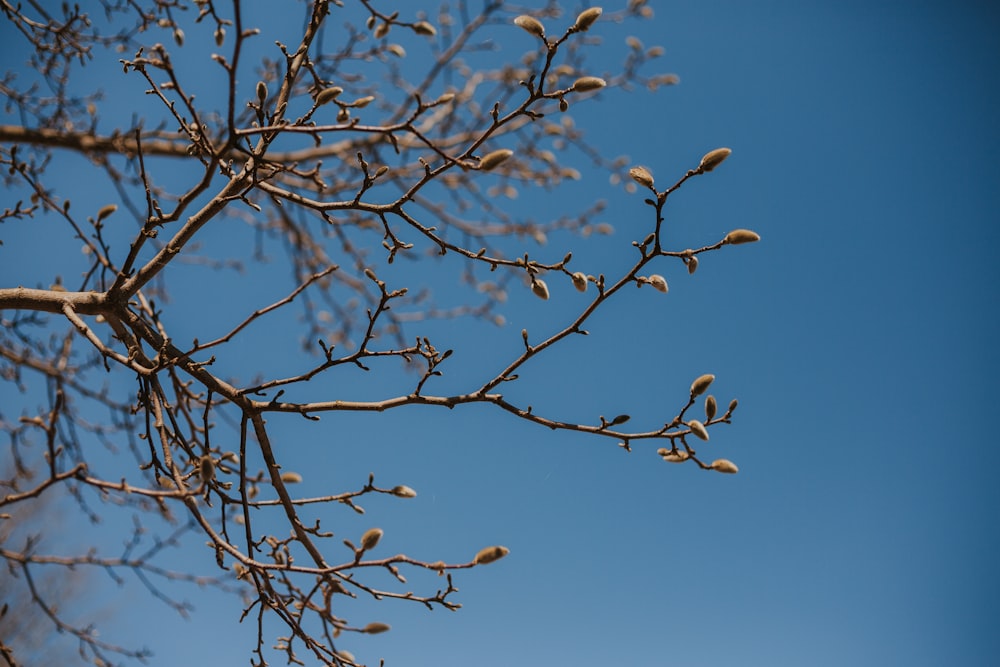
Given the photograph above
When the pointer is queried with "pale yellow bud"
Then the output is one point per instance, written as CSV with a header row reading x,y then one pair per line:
x,y
495,158
738,236
642,176
699,386
376,628
714,158
424,28
587,18
580,281
698,429
403,491
588,83
530,24
540,289
673,455
724,465
692,264
659,283
291,477
490,554
362,102
328,95
371,537
382,30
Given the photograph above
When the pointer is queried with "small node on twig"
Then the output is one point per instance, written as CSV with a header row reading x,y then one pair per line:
x,y
531,25
713,159
698,429
738,236
724,465
490,554
701,383
586,18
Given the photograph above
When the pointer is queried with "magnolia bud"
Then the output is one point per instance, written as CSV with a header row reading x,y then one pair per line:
x,y
673,455
424,28
530,24
642,176
724,465
699,386
490,554
588,83
587,18
659,283
580,281
713,159
711,407
540,289
375,628
738,236
732,406
220,36
371,537
106,211
261,91
403,491
206,469
362,102
692,264
698,429
494,159
328,95
291,477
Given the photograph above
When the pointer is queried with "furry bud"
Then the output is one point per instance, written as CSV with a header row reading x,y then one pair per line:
x,y
403,491
580,281
699,386
490,554
371,537
738,236
540,289
328,95
424,28
494,159
659,283
587,83
530,24
587,18
713,159
642,176
376,628
261,91
291,477
698,429
724,465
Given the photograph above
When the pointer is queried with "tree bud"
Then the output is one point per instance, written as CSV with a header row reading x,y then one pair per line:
x,y
540,289
403,491
738,236
699,386
371,537
328,95
580,281
711,408
206,469
692,264
724,465
642,176
106,211
587,18
424,28
530,24
291,477
698,429
732,406
673,455
494,159
588,83
261,91
490,554
659,283
714,158
376,628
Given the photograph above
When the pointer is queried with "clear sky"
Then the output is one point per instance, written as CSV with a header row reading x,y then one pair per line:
x,y
860,336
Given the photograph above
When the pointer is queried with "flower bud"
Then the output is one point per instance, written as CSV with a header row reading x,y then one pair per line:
x,y
540,289
713,159
711,408
206,469
328,95
403,491
494,159
580,281
642,176
106,211
673,455
698,429
659,283
724,465
261,91
291,477
424,28
699,386
220,36
588,83
732,406
375,628
371,537
530,24
738,236
362,102
692,264
587,18
490,554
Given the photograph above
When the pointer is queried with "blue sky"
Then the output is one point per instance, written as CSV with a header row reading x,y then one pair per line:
x,y
859,336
